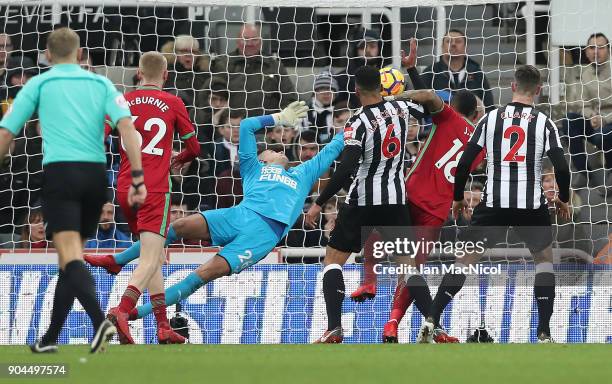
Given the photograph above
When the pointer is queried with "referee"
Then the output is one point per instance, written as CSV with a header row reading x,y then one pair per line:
x,y
72,104
515,137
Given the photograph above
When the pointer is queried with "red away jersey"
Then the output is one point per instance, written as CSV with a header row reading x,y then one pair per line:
x,y
156,115
431,179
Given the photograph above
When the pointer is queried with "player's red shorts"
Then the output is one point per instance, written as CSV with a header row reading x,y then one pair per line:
x,y
426,227
152,216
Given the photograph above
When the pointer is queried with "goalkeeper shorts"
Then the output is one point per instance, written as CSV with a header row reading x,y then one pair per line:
x,y
245,236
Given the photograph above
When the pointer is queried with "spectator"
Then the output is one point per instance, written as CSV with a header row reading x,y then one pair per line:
x,y
340,115
219,97
178,208
6,46
226,147
592,119
366,52
20,181
307,147
108,236
226,164
566,233
188,71
33,232
19,70
85,61
209,110
455,70
256,82
320,114
275,135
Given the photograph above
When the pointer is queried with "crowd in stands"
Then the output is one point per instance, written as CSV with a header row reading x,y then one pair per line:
x,y
221,90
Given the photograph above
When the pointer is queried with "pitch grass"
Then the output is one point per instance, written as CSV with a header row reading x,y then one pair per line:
x,y
271,364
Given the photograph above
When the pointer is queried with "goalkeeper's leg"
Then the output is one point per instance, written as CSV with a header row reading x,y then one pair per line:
x,y
211,270
190,227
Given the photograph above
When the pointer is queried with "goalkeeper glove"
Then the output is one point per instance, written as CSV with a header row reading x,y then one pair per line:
x,y
290,116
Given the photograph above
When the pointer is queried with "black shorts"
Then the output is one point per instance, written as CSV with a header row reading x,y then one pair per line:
x,y
491,225
73,194
347,234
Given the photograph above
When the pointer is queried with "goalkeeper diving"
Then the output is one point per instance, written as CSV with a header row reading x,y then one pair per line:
x,y
274,195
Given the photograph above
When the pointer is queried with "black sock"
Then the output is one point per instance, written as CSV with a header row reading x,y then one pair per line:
x,y
419,290
84,289
333,291
544,292
451,284
62,303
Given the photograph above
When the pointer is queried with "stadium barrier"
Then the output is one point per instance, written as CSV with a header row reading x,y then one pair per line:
x,y
280,303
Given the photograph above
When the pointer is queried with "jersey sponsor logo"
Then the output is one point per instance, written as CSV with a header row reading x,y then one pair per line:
x,y
276,174
122,102
348,132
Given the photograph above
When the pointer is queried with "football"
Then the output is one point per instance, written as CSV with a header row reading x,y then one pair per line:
x,y
391,81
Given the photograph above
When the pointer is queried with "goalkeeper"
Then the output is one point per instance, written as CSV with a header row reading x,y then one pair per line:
x,y
273,199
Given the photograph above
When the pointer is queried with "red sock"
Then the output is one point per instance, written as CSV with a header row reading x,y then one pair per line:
x,y
158,302
129,299
401,302
369,277
133,314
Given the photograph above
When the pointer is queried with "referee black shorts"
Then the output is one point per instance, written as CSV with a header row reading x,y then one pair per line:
x,y
491,225
389,220
73,194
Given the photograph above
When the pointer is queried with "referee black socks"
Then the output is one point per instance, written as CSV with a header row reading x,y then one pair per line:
x,y
544,292
333,292
84,289
62,303
451,284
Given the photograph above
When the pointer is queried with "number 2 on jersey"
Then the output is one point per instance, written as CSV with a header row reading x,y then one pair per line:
x,y
389,141
151,148
512,153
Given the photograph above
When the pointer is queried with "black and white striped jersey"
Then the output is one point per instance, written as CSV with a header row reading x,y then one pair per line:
x,y
516,137
380,131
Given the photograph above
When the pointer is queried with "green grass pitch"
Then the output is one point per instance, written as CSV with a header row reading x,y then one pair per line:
x,y
291,364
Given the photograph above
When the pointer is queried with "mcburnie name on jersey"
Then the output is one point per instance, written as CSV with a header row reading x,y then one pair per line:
x,y
276,174
151,101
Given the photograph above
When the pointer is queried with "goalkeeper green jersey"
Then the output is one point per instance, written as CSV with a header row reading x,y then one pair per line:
x,y
72,104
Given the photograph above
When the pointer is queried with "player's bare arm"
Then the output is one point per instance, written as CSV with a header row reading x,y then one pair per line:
x,y
425,97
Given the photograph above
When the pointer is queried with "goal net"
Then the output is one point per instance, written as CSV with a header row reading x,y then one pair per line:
x,y
230,59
